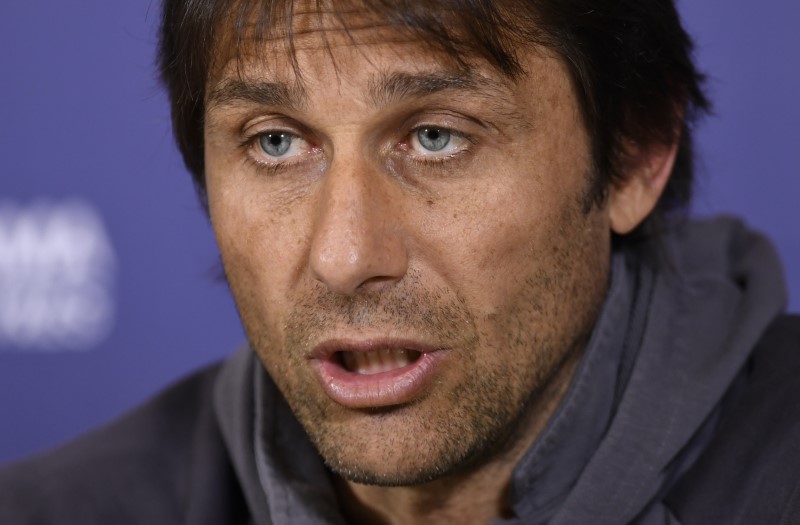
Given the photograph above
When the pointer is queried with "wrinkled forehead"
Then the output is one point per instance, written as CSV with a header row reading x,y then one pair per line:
x,y
271,36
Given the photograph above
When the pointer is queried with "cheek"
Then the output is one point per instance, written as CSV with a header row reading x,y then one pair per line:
x,y
260,242
489,243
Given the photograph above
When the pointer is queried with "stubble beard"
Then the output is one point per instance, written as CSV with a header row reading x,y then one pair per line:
x,y
452,429
400,445
455,427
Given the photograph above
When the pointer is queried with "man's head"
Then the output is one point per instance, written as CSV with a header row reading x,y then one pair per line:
x,y
414,205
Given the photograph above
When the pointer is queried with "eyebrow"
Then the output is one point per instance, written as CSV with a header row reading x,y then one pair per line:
x,y
387,89
384,89
232,91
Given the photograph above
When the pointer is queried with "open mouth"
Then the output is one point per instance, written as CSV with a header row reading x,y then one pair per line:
x,y
376,373
376,361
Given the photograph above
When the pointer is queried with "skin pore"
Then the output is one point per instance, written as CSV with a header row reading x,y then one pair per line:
x,y
388,195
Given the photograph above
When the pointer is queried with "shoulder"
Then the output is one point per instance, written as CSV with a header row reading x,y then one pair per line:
x,y
750,471
134,470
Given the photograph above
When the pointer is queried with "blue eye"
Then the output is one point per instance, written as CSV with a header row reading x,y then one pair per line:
x,y
433,139
275,144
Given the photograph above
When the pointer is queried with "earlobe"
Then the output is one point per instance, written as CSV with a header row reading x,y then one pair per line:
x,y
647,173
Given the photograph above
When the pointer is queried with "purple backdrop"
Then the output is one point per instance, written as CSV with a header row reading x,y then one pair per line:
x,y
107,264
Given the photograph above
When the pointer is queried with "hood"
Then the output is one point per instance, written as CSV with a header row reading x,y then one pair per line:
x,y
719,289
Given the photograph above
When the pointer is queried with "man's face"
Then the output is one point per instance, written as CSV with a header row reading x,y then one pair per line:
x,y
406,242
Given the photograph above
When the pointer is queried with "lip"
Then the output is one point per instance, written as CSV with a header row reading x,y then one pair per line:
x,y
383,389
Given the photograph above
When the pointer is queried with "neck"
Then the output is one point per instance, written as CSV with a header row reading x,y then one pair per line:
x,y
476,495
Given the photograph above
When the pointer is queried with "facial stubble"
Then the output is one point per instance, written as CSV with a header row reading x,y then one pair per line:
x,y
455,426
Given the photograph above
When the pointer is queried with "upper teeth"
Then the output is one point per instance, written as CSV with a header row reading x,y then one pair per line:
x,y
377,361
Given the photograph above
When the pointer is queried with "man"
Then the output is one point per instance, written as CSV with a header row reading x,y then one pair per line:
x,y
447,229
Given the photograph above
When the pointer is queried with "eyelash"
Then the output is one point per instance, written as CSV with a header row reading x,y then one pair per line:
x,y
250,144
440,160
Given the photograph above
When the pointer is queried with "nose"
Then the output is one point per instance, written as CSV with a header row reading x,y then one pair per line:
x,y
357,242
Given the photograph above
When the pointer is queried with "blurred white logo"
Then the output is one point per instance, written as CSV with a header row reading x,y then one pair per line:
x,y
57,271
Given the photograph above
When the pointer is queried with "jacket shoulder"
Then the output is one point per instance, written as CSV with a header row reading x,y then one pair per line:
x,y
133,470
750,471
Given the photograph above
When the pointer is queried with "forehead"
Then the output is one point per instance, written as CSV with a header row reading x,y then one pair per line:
x,y
275,35
381,73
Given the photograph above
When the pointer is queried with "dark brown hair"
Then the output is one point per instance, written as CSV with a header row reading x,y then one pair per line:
x,y
630,61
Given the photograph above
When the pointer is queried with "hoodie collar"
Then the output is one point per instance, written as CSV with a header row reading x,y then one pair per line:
x,y
719,288
545,475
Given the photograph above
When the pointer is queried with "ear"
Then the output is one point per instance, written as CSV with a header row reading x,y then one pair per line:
x,y
647,172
